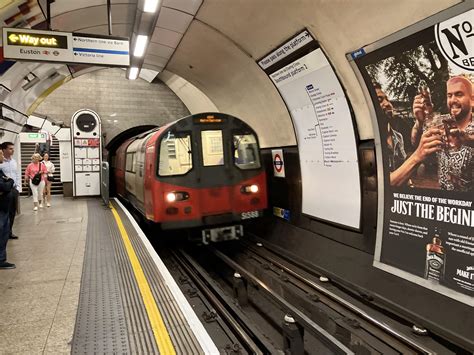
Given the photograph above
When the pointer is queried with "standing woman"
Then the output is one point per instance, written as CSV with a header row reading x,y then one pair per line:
x,y
36,174
49,179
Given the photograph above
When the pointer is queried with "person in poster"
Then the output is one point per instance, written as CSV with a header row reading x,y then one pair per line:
x,y
456,159
439,153
400,165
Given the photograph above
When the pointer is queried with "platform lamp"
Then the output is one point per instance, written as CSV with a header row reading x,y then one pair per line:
x,y
143,28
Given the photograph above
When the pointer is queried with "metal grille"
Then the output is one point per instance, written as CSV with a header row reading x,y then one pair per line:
x,y
101,326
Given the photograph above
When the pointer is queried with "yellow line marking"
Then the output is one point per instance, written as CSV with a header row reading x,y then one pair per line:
x,y
160,332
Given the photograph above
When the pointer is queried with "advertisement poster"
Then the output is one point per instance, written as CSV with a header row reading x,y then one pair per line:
x,y
326,139
422,91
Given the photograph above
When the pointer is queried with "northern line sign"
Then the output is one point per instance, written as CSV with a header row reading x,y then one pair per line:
x,y
66,47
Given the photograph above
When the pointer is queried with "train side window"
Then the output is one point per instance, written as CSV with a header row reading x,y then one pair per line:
x,y
246,152
175,155
130,163
212,148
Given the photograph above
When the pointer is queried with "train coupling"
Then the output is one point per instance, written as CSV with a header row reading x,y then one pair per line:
x,y
221,234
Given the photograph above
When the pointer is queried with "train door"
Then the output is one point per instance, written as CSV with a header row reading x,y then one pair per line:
x,y
215,196
140,169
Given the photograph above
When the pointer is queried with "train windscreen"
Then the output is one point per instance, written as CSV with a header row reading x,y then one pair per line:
x,y
246,152
212,148
175,155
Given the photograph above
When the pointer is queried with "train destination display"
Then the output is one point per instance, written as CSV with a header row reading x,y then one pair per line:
x,y
325,133
421,87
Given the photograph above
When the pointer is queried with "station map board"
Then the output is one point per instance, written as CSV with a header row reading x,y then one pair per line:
x,y
324,129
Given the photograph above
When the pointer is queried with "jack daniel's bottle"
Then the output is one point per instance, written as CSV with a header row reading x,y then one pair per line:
x,y
435,259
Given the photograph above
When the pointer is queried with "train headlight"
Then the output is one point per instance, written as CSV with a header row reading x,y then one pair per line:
x,y
177,196
170,197
250,189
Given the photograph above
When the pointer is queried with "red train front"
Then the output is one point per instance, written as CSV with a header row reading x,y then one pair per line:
x,y
203,170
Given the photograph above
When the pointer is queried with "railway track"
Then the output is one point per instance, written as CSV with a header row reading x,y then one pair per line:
x,y
364,326
232,331
255,301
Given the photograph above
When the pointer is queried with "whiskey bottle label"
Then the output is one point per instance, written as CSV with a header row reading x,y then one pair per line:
x,y
434,269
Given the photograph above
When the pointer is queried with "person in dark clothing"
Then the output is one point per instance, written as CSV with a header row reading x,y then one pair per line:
x,y
6,196
10,168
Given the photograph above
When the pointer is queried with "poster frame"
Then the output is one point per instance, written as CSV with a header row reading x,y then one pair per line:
x,y
351,57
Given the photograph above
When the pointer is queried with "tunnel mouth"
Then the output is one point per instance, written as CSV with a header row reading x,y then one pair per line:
x,y
117,141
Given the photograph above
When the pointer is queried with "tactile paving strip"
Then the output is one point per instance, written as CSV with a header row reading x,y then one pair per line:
x,y
142,340
111,317
181,334
100,322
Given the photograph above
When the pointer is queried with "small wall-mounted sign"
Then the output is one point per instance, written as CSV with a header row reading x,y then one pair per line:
x,y
282,213
278,163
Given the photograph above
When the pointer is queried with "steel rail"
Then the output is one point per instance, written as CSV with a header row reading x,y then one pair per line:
x,y
363,314
327,338
240,332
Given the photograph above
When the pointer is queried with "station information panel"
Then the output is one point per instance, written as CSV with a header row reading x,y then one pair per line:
x,y
87,149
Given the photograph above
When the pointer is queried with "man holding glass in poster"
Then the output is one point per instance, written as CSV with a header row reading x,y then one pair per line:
x,y
456,158
401,168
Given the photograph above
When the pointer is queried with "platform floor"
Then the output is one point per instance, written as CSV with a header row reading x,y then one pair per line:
x,y
38,299
89,281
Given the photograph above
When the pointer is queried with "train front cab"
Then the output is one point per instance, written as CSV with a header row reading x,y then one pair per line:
x,y
209,174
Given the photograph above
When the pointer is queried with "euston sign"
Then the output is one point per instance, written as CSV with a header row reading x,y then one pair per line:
x,y
65,47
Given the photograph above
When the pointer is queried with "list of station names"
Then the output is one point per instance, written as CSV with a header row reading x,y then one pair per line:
x,y
326,140
325,127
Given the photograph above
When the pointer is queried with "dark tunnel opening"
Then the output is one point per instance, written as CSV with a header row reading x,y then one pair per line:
x,y
114,144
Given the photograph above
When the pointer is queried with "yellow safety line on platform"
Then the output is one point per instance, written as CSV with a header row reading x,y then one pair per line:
x,y
159,329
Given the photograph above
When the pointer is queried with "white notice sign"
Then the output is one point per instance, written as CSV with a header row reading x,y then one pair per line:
x,y
93,50
326,139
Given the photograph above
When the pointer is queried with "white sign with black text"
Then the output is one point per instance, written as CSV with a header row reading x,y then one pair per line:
x,y
286,49
100,50
326,139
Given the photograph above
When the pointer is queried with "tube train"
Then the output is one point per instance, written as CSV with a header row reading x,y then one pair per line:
x,y
203,171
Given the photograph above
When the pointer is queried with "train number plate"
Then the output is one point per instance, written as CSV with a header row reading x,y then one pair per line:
x,y
248,215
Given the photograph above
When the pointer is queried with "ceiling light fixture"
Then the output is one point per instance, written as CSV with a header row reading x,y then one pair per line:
x,y
143,27
140,45
133,73
150,6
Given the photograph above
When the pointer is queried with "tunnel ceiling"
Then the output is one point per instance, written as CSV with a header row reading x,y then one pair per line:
x,y
214,44
90,16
